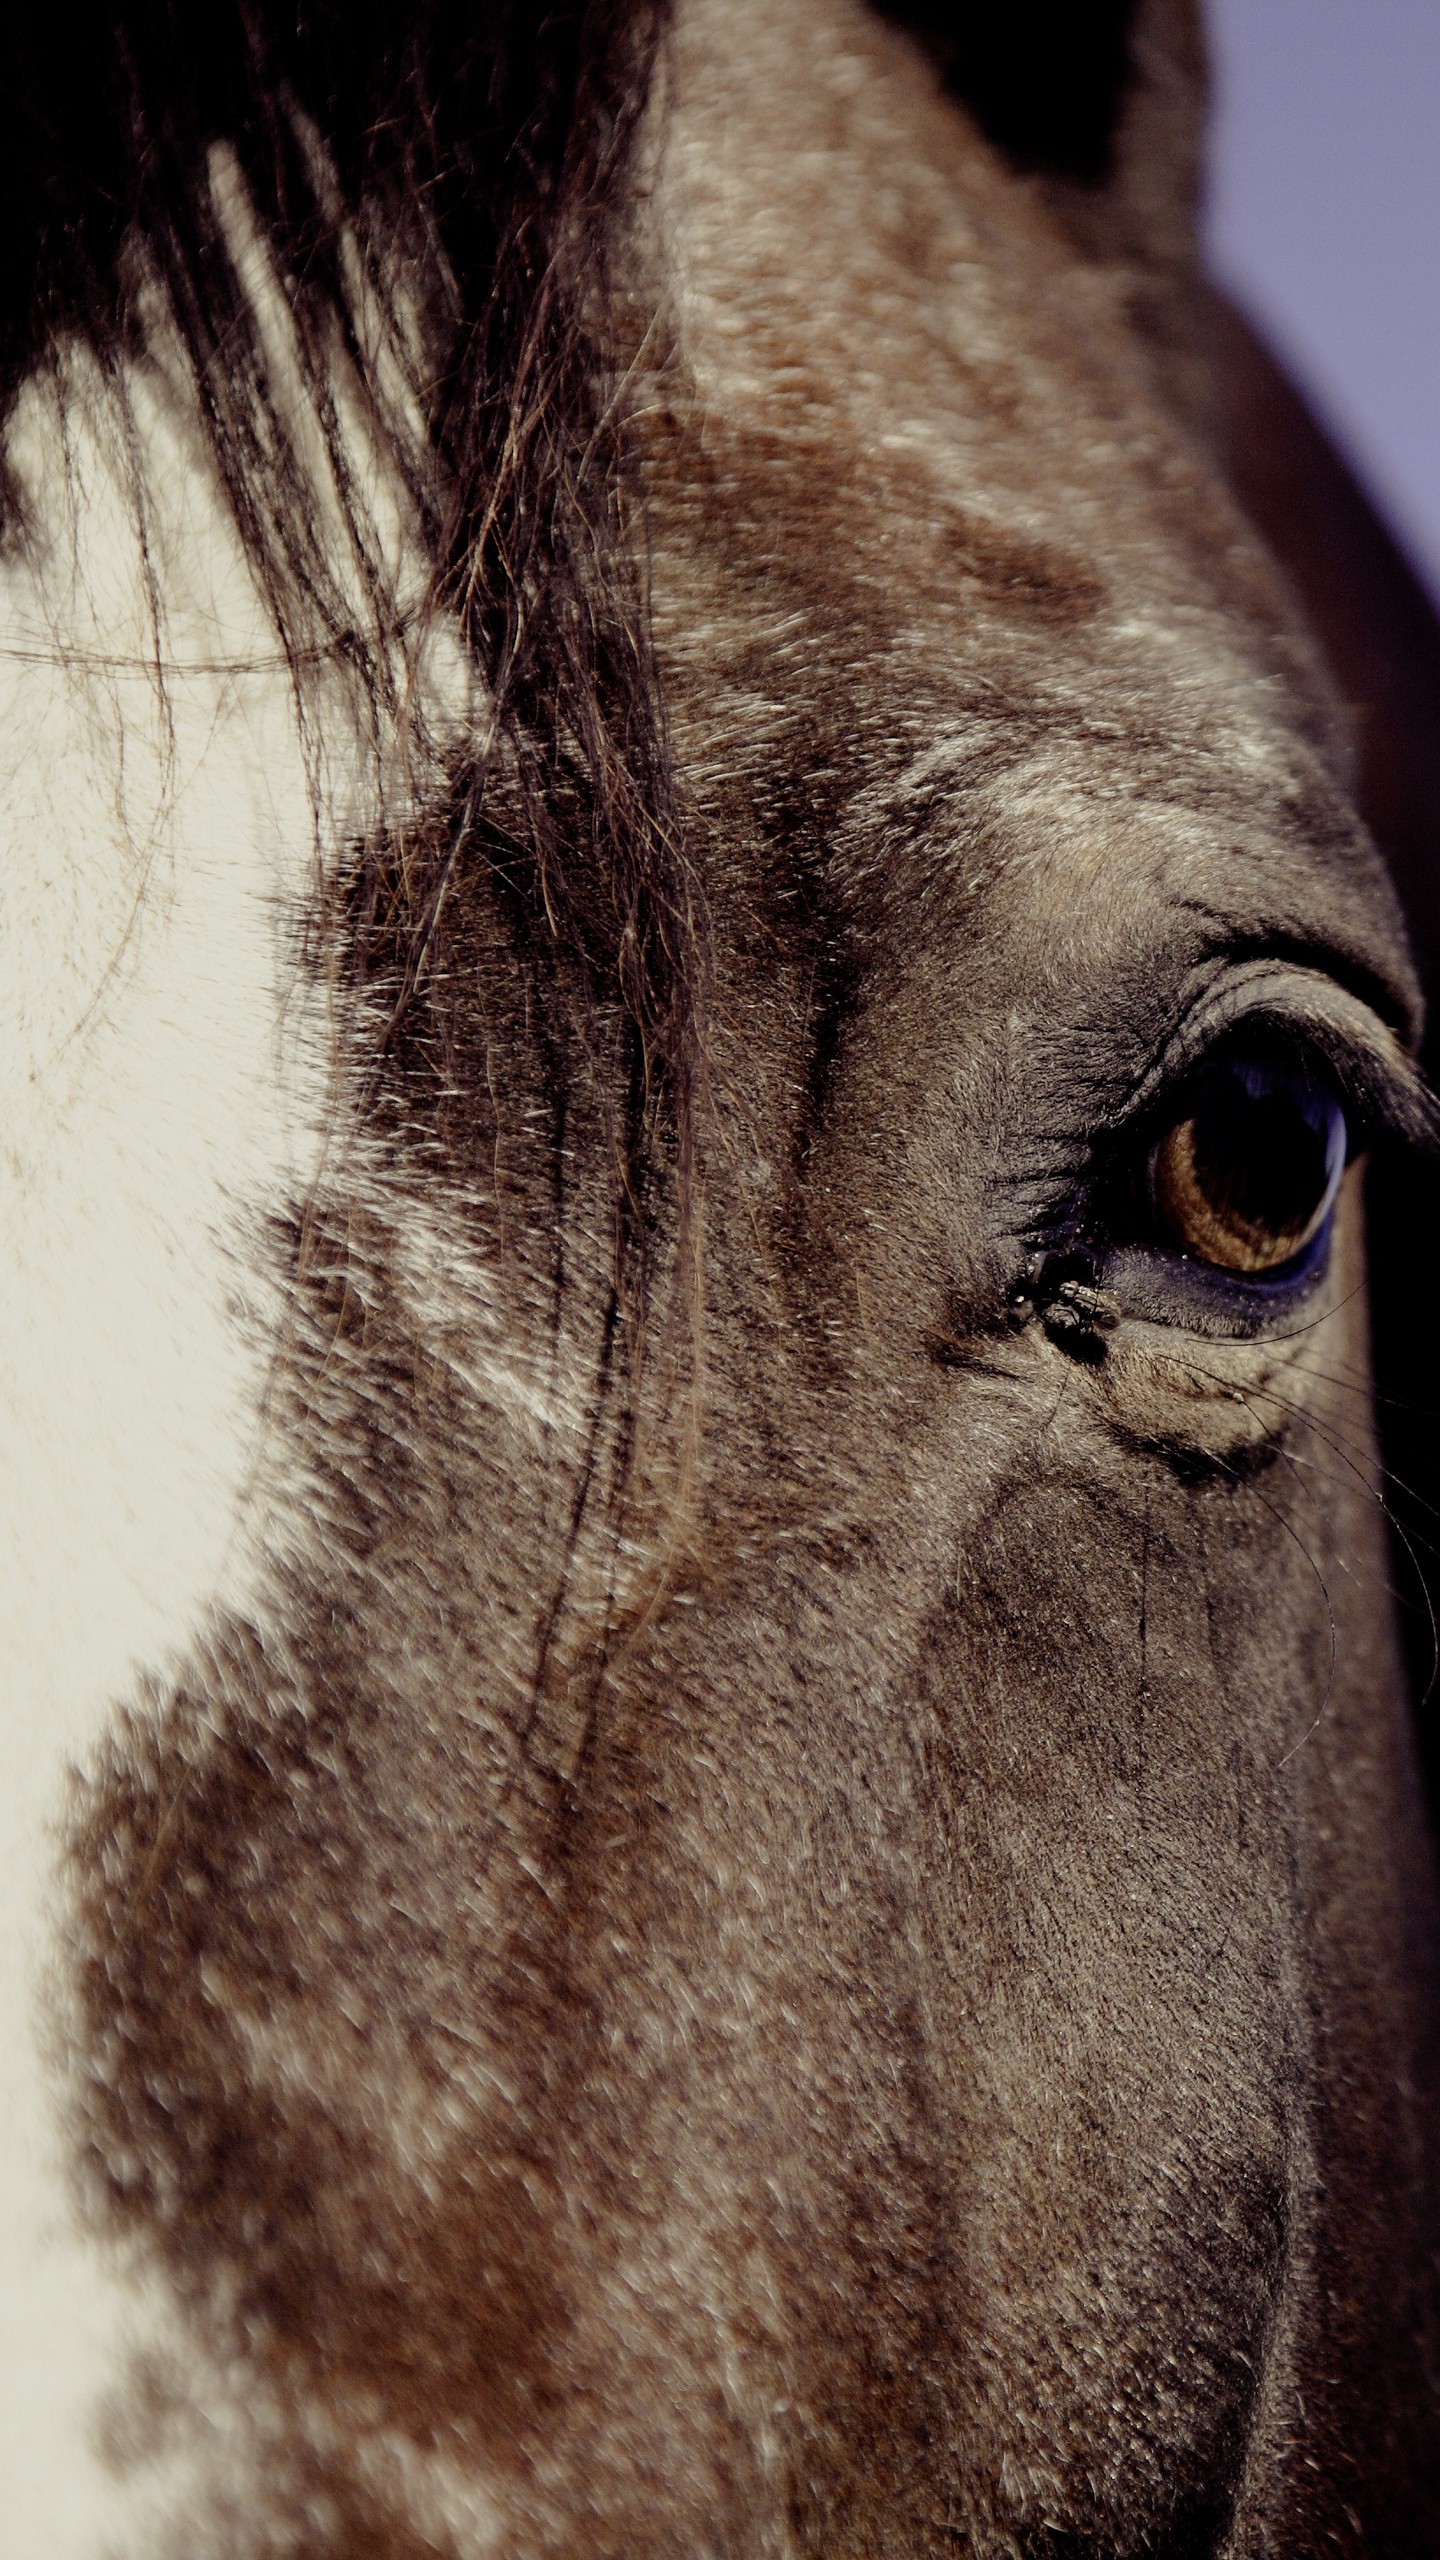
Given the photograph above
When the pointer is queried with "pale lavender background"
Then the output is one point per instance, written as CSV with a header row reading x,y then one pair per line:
x,y
1324,221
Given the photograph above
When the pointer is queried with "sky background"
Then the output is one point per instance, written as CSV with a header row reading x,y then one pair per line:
x,y
1324,221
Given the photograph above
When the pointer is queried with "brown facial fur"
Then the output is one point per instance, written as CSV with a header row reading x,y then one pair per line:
x,y
881,2009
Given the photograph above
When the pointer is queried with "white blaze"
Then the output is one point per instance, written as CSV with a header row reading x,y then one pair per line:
x,y
164,1088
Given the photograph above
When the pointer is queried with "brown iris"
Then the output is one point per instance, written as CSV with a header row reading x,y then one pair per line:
x,y
1247,1178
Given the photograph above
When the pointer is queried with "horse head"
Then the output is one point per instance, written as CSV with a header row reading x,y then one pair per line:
x,y
716,1845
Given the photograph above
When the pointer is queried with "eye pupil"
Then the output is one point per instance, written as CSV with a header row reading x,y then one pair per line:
x,y
1246,1178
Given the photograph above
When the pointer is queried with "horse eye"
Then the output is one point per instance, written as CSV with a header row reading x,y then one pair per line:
x,y
1247,1178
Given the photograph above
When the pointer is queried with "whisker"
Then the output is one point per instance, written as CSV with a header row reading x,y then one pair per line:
x,y
1387,1509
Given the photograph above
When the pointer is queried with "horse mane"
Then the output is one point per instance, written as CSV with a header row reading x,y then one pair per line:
x,y
477,162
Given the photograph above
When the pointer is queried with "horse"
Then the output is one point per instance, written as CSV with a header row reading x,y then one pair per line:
x,y
713,1841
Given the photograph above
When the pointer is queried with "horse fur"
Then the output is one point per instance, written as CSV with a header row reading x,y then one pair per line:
x,y
759,1887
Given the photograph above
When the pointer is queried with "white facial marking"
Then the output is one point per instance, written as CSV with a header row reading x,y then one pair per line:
x,y
165,1088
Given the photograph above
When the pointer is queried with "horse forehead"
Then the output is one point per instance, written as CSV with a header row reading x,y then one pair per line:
x,y
935,485
851,265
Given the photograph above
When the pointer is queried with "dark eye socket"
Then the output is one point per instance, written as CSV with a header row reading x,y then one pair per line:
x,y
1244,1177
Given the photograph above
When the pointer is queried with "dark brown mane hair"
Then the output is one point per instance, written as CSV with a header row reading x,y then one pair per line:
x,y
481,155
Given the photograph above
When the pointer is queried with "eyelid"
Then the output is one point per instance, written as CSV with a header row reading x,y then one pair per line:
x,y
1373,1071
